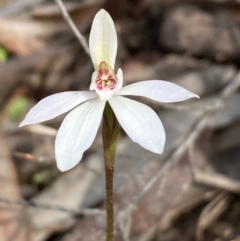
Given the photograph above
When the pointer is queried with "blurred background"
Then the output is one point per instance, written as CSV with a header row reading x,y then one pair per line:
x,y
191,192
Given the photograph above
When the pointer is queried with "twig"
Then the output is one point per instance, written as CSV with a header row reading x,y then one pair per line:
x,y
82,211
231,88
30,157
77,33
122,230
211,212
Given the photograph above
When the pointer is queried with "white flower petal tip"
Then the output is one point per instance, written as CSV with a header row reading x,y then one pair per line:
x,y
140,123
103,40
23,123
77,133
195,96
55,105
158,90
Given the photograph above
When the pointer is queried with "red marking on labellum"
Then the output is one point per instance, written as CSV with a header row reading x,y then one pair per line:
x,y
105,79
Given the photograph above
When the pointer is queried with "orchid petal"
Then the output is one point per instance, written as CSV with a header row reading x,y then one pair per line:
x,y
103,40
119,81
93,80
77,133
159,90
140,122
55,105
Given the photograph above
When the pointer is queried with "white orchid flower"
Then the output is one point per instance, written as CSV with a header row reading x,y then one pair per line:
x,y
80,126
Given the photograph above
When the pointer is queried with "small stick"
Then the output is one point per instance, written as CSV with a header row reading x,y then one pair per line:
x,y
31,203
77,33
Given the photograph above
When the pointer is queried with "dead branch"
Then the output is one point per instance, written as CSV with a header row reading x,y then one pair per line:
x,y
77,33
31,203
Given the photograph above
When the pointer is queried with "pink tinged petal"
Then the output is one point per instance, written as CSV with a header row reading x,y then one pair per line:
x,y
159,90
77,133
140,122
55,105
103,40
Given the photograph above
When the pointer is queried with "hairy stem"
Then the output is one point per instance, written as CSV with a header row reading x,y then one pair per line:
x,y
110,131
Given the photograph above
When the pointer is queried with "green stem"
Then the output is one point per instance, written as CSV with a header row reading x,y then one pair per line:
x,y
110,130
109,203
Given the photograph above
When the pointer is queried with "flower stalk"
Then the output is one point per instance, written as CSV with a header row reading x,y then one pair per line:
x,y
110,130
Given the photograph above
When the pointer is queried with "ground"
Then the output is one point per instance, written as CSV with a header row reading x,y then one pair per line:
x,y
191,192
